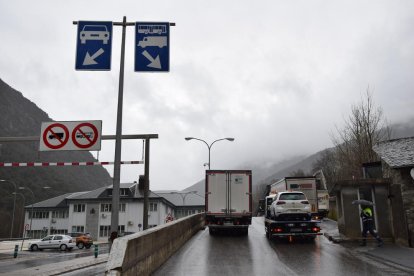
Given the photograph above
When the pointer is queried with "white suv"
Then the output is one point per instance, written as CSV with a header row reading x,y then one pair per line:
x,y
290,206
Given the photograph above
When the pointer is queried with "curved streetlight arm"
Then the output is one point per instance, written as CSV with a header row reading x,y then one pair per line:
x,y
228,139
209,146
20,194
193,138
184,194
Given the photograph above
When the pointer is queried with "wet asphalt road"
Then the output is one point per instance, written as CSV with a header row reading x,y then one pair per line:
x,y
236,255
256,255
28,259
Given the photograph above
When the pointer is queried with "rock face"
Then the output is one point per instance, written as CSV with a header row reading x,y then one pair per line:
x,y
20,117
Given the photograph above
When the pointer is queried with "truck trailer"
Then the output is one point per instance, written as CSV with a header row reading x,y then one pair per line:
x,y
294,226
306,185
228,200
307,229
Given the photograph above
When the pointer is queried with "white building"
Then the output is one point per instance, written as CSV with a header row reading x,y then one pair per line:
x,y
91,211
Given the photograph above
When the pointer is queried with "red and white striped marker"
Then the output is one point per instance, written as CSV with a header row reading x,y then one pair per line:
x,y
51,164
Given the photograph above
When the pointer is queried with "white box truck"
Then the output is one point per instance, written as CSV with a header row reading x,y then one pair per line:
x,y
228,200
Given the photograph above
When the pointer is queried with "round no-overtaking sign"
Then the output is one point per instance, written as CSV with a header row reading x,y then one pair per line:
x,y
83,135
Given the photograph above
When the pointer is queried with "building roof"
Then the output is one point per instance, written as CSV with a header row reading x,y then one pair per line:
x,y
61,201
54,202
359,183
182,198
397,153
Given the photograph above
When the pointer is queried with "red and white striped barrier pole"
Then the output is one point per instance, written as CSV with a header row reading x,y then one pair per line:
x,y
51,164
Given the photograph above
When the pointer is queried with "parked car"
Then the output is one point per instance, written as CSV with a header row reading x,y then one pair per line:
x,y
62,242
290,206
82,240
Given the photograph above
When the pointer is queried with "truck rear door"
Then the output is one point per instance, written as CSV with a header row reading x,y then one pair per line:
x,y
306,186
228,192
216,198
239,191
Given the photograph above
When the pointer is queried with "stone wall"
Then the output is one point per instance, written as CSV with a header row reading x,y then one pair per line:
x,y
142,253
403,178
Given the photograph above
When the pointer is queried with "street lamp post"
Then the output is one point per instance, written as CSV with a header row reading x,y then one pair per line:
x,y
209,145
24,200
14,204
184,195
33,196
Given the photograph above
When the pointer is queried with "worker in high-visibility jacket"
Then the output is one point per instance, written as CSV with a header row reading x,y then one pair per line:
x,y
368,226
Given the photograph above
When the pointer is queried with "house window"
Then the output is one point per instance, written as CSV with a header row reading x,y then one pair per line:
x,y
39,215
78,228
121,229
58,231
104,230
79,208
107,207
153,207
122,192
60,214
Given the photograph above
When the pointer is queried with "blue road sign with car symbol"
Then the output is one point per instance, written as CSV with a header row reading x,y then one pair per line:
x,y
152,47
94,45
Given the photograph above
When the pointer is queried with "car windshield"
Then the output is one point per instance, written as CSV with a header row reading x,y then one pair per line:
x,y
292,196
94,28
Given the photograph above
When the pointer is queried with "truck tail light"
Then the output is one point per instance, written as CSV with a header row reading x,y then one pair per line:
x,y
305,202
278,230
280,202
316,229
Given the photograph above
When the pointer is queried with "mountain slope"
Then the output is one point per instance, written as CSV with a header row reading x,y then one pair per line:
x,y
19,117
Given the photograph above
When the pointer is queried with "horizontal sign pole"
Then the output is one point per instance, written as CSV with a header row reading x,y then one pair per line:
x,y
122,23
59,164
103,137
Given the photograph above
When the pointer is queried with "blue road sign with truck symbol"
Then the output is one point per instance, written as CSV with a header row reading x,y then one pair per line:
x,y
94,45
152,46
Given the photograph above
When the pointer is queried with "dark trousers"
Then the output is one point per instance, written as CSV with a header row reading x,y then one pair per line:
x,y
368,227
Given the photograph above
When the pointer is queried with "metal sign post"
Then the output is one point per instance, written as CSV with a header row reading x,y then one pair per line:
x,y
117,167
94,41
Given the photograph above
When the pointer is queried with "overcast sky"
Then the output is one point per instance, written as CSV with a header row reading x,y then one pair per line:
x,y
278,76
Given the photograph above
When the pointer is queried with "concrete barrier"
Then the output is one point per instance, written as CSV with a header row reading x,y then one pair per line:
x,y
142,253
